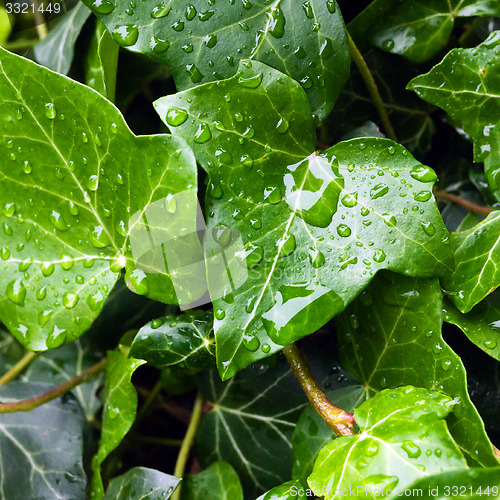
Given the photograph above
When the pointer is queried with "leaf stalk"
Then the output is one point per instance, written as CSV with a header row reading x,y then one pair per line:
x,y
18,367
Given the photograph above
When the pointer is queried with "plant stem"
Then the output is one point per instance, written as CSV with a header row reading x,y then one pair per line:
x,y
473,207
497,452
148,401
372,88
18,367
18,45
32,403
41,27
160,441
187,442
463,41
337,419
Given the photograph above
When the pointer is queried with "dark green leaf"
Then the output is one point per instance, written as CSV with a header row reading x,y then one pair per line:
x,y
481,325
251,424
477,256
120,406
57,49
403,438
292,490
201,42
72,177
391,336
312,433
185,341
416,29
217,482
315,229
41,450
465,84
140,483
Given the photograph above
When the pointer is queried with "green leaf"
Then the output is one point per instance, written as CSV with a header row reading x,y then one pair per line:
x,y
415,29
57,49
477,257
251,424
291,490
403,438
142,483
72,176
465,84
183,341
120,406
102,62
41,450
312,433
470,483
481,325
201,43
5,25
217,482
391,336
315,229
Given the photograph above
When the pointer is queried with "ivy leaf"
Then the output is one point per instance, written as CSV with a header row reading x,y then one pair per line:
x,y
143,483
72,176
312,433
391,336
5,25
217,482
477,256
254,411
415,29
183,341
291,490
306,40
102,62
41,450
315,229
399,428
481,325
57,49
464,84
120,406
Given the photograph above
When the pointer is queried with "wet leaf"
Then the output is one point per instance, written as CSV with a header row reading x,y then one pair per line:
x,y
72,177
403,438
201,42
391,336
292,490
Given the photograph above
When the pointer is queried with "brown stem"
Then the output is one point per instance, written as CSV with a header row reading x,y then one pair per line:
x,y
32,403
497,452
337,419
473,207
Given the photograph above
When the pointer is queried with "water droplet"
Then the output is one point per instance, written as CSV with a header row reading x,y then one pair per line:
x,y
176,116
16,292
247,161
215,191
250,82
350,200
490,344
159,45
286,244
205,16
9,209
371,448
41,293
428,228
137,281
93,182
378,191
379,255
224,157
56,338
4,253
251,342
67,262
331,6
126,34
103,6
70,300
210,41
27,167
411,449
95,301
47,268
220,314
388,44
50,111
343,230
422,196
316,257
202,134
266,348
194,73
222,234
99,237
282,126
25,264
253,255
272,194
190,12
58,221
276,23
446,365
423,174
161,10
308,10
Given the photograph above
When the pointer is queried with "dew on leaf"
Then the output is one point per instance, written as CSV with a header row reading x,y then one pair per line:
x,y
286,245
423,174
176,116
222,234
210,41
428,228
137,281
423,196
202,134
16,292
378,191
316,258
44,317
95,300
41,293
272,194
277,22
411,449
56,338
251,342
67,262
103,6
99,237
58,221
9,209
4,253
282,126
343,230
50,111
250,82
159,45
126,34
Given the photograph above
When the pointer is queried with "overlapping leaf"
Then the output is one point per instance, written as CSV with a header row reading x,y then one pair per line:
x,y
416,29
316,229
202,41
72,175
251,424
403,438
41,451
466,85
391,336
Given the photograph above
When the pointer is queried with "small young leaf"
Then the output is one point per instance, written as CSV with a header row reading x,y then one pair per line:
x,y
143,483
120,406
73,178
184,341
217,482
391,336
292,490
202,43
402,438
57,49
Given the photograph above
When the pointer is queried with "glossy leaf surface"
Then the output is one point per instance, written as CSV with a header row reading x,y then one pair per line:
x,y
316,229
120,406
203,42
416,29
291,490
72,175
403,438
184,341
391,336
217,482
254,411
142,483
41,451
